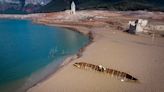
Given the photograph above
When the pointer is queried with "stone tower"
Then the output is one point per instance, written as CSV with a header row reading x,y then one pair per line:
x,y
73,8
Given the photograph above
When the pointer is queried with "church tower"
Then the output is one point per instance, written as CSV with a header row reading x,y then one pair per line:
x,y
73,8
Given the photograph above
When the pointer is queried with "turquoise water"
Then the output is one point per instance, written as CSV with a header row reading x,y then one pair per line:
x,y
29,52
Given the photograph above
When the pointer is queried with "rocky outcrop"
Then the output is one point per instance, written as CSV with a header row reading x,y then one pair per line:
x,y
21,6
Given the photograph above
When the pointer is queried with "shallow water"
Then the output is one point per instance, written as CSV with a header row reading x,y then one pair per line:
x,y
29,52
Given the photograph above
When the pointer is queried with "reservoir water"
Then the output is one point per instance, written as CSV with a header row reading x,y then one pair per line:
x,y
29,52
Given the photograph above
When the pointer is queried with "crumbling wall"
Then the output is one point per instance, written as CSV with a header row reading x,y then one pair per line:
x,y
137,26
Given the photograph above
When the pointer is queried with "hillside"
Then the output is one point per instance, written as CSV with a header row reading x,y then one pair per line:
x,y
21,6
28,6
151,5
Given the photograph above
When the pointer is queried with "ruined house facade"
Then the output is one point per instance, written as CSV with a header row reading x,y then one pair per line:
x,y
137,26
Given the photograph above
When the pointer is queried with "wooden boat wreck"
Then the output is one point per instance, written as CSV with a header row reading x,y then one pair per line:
x,y
120,75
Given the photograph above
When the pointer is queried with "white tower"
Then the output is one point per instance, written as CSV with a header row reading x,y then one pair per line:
x,y
73,8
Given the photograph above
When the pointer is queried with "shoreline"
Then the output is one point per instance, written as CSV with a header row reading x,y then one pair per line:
x,y
68,59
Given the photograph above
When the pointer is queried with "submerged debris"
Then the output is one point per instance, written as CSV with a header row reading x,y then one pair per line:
x,y
120,75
